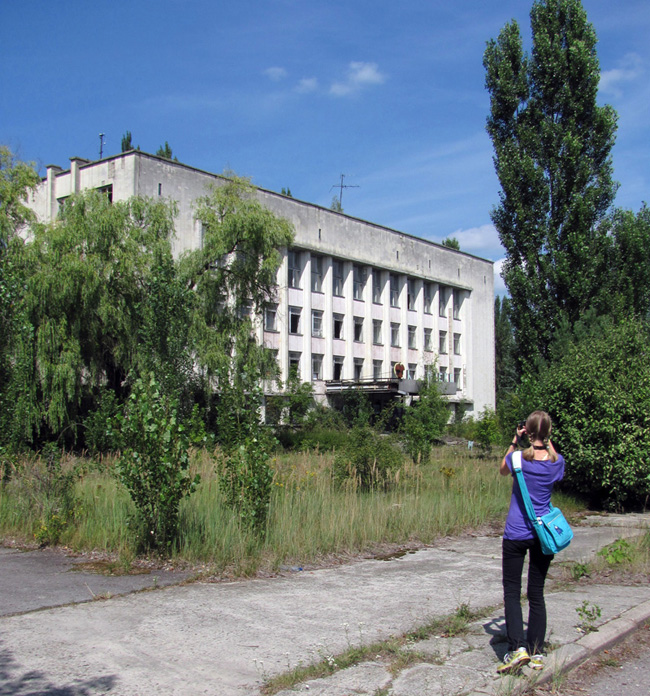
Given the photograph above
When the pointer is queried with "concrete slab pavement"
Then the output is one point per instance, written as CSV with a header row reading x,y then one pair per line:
x,y
227,638
46,578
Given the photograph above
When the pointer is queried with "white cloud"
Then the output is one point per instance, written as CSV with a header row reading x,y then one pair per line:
x,y
306,85
275,73
631,68
499,285
481,241
359,75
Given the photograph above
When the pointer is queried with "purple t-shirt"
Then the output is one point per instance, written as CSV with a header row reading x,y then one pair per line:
x,y
540,477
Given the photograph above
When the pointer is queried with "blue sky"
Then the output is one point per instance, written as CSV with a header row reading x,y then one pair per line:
x,y
294,93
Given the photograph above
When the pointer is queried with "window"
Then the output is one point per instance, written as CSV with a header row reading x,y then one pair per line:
x,y
428,297
338,326
271,318
456,344
411,338
442,374
359,281
338,367
294,365
376,331
107,191
270,373
394,290
294,320
317,274
376,369
457,303
394,335
63,202
358,329
376,286
337,277
316,323
410,372
428,345
316,366
442,342
410,297
358,368
442,302
294,269
457,377
244,310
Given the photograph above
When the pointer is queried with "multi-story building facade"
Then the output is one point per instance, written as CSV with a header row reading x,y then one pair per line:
x,y
356,302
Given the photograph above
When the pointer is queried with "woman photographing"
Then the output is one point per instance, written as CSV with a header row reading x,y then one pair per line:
x,y
542,466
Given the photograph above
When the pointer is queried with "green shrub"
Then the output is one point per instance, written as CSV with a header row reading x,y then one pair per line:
x,y
487,429
368,460
246,481
424,421
598,395
154,465
324,439
96,424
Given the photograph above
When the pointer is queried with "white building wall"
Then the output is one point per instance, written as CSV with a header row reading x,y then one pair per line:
x,y
333,236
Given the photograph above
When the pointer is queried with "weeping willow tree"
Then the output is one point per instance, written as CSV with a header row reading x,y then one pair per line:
x,y
233,278
103,301
16,180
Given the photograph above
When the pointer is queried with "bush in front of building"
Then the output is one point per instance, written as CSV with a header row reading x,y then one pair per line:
x,y
369,461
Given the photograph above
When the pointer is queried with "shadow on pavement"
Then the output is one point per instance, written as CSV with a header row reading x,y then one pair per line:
x,y
16,681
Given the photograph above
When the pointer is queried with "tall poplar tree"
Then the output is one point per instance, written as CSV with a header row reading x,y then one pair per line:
x,y
552,146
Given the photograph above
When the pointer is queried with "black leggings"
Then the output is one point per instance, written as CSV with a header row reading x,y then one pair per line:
x,y
514,553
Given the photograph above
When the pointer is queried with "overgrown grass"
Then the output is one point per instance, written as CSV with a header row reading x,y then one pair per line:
x,y
312,517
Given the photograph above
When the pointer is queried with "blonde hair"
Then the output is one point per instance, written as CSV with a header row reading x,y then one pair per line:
x,y
538,427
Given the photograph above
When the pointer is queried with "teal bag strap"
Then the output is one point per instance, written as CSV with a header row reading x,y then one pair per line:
x,y
528,503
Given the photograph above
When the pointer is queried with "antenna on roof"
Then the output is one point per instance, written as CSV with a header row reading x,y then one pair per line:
x,y
101,145
341,186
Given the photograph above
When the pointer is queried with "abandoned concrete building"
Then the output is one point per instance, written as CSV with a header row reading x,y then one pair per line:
x,y
358,305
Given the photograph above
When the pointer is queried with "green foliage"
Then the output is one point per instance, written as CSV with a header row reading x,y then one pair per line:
x,y
49,490
451,243
619,552
293,405
487,430
232,276
246,481
336,204
97,296
588,615
98,423
424,421
165,151
355,408
88,284
626,285
127,143
154,465
323,439
369,459
598,395
504,343
552,144
579,570
16,180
